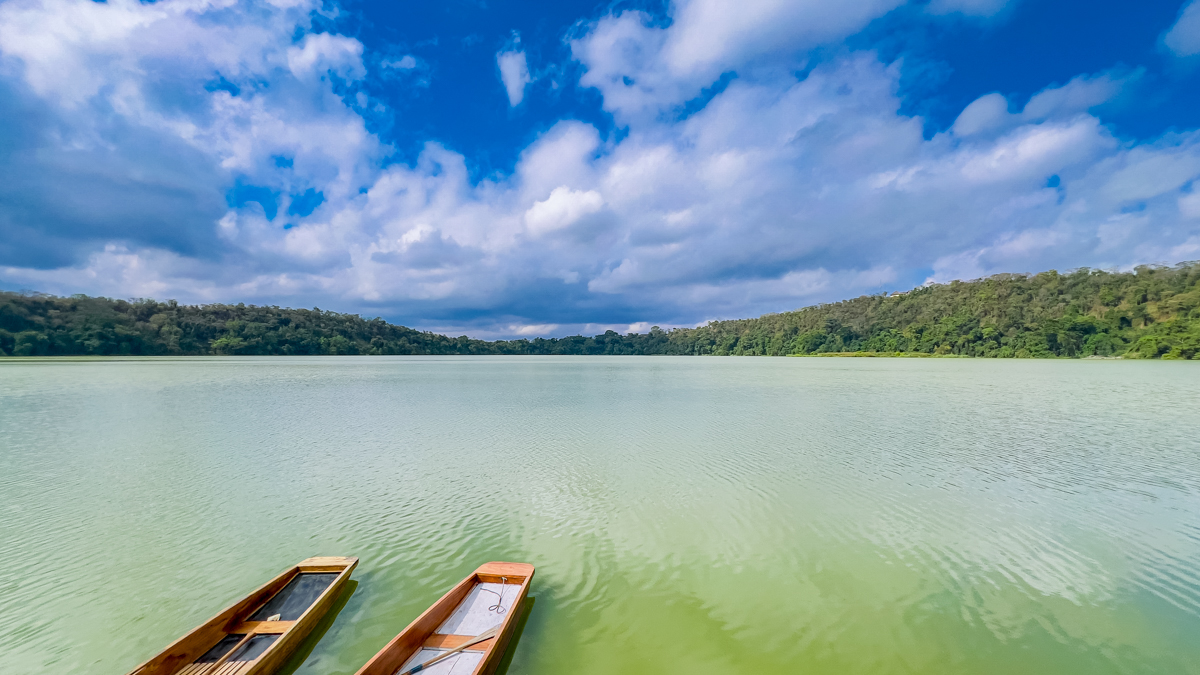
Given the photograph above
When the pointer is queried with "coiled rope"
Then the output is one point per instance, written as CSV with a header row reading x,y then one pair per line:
x,y
499,607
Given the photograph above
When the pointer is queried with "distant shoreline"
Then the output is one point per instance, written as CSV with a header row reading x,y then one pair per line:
x,y
885,355
922,355
841,355
1149,313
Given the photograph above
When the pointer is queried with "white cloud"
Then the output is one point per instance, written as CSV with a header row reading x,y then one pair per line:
x,y
1189,205
1147,172
1081,94
642,69
985,113
66,46
514,72
779,192
1008,249
1188,250
563,208
125,84
563,155
1036,151
709,35
320,53
406,62
989,113
531,329
1184,37
116,271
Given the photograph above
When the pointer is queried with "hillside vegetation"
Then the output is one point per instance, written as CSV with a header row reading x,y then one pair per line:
x,y
1152,312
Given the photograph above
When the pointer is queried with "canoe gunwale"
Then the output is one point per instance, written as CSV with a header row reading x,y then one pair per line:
x,y
392,657
194,644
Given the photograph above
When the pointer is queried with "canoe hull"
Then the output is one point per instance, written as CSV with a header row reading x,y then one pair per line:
x,y
180,658
422,632
492,659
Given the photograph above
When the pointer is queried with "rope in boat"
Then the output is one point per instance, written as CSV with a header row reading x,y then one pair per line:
x,y
499,607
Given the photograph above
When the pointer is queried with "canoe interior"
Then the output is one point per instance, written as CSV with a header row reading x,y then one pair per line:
x,y
490,597
256,635
484,608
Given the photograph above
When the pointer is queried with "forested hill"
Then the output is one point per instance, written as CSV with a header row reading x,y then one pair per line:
x,y
35,324
1153,312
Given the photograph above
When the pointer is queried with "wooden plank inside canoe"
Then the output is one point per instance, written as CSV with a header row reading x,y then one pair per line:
x,y
314,585
490,597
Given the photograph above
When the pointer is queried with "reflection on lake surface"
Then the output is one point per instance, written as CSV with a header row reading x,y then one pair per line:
x,y
687,515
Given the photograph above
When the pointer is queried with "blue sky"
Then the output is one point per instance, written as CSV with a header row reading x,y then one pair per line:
x,y
520,168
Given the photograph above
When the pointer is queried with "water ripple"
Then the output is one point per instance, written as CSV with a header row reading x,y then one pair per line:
x,y
724,515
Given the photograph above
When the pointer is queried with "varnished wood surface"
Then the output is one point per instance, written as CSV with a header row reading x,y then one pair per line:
x,y
192,646
450,641
227,668
279,652
326,564
179,657
260,627
491,660
499,569
393,655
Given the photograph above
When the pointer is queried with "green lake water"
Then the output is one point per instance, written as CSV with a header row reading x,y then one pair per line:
x,y
686,515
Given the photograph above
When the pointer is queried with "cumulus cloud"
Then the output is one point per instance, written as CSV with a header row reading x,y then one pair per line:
x,y
1189,205
643,69
514,73
990,113
1184,37
406,62
563,208
712,34
781,190
151,113
322,53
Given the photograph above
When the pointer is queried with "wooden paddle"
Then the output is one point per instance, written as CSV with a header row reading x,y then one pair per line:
x,y
485,635
221,661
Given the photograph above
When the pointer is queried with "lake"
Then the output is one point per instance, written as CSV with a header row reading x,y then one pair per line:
x,y
686,514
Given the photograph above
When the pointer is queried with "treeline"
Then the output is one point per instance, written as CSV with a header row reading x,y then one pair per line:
x,y
34,324
43,325
1152,312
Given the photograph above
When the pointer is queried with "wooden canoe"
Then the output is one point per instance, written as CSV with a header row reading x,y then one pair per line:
x,y
256,635
491,597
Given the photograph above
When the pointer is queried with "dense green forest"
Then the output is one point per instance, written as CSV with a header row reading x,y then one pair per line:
x,y
1152,312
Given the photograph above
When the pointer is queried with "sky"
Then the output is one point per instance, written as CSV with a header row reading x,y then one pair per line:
x,y
507,169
